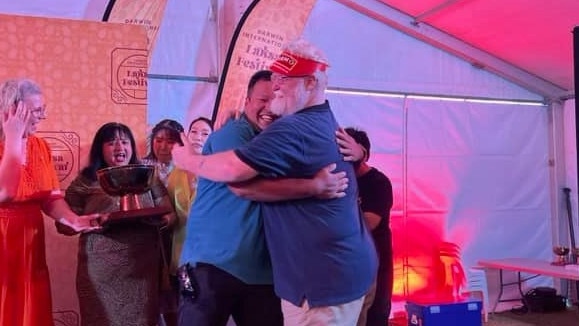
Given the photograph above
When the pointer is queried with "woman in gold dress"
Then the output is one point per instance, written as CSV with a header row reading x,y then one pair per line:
x,y
28,188
182,187
119,266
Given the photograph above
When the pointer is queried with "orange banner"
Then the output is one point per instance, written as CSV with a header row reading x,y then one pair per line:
x,y
144,13
90,74
264,28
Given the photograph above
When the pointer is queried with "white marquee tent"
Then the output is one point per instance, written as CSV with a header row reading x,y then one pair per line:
x,y
478,140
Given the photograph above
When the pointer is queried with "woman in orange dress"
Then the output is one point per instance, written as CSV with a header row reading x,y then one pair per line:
x,y
28,187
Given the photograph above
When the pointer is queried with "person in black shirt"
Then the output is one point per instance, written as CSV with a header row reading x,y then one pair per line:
x,y
375,199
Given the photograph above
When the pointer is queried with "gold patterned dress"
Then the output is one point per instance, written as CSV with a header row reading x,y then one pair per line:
x,y
182,189
25,298
119,268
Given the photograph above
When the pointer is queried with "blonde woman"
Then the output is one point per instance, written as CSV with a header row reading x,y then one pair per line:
x,y
28,188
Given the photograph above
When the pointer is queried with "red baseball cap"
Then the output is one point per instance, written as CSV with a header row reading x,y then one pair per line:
x,y
289,64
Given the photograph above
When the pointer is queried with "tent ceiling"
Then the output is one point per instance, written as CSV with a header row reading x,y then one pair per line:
x,y
534,35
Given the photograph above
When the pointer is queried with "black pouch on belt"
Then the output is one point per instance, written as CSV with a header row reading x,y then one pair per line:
x,y
188,286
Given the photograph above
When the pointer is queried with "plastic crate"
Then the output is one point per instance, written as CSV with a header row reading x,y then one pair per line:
x,y
465,312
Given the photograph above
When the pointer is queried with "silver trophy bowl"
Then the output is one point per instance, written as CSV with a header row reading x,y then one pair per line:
x,y
127,182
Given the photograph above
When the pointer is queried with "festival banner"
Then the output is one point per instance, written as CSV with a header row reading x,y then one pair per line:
x,y
263,29
137,12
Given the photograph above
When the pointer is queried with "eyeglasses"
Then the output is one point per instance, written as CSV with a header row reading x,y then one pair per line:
x,y
39,111
281,79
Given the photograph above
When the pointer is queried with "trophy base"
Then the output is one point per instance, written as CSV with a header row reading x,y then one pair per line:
x,y
135,215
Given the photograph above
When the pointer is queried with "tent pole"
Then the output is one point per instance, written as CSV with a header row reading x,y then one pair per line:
x,y
576,80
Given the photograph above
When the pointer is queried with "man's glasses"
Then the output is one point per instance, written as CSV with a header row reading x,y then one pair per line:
x,y
281,79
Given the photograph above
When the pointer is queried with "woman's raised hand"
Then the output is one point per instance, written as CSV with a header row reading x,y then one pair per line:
x,y
14,122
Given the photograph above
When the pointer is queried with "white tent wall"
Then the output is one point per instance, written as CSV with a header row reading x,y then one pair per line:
x,y
184,63
477,171
462,171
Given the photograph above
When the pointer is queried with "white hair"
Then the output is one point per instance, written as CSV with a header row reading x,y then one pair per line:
x,y
306,50
14,90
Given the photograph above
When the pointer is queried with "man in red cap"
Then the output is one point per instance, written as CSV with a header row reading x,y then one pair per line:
x,y
322,255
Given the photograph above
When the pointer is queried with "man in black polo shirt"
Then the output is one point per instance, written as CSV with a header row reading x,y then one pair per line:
x,y
375,198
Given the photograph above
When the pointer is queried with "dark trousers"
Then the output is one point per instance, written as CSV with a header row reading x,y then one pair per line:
x,y
379,311
220,295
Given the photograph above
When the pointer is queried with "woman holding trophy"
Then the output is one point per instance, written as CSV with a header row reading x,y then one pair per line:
x,y
118,267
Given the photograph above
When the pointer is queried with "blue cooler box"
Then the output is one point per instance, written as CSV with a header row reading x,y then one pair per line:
x,y
460,313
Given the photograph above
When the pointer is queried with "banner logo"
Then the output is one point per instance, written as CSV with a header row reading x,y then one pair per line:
x,y
129,76
65,151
